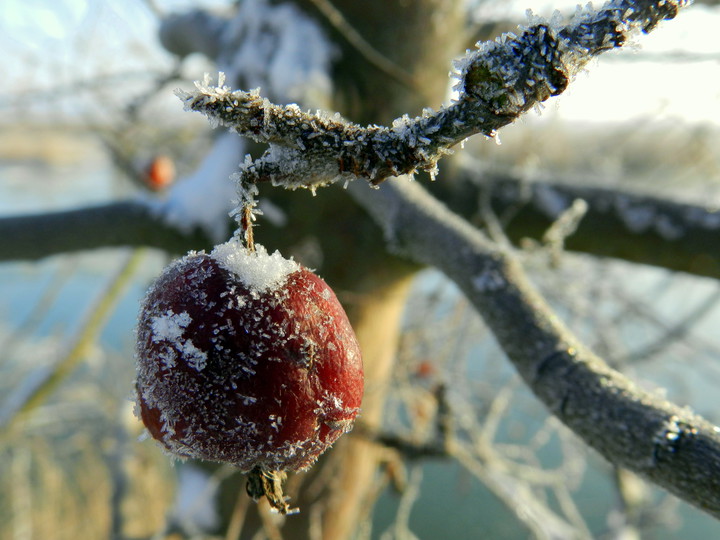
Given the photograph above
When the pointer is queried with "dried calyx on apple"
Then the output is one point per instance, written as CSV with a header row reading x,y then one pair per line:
x,y
248,358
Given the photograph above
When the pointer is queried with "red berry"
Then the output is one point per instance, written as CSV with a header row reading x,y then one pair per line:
x,y
246,358
159,173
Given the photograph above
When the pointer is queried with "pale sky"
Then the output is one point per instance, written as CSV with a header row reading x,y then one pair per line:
x,y
48,44
637,83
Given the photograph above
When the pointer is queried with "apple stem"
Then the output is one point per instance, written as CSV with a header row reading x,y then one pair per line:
x,y
261,481
247,226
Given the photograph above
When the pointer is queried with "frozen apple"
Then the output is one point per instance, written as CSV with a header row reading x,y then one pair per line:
x,y
247,358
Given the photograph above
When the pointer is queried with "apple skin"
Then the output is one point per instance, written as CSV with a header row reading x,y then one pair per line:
x,y
256,378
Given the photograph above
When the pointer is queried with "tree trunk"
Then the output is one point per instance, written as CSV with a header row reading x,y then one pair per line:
x,y
377,318
330,233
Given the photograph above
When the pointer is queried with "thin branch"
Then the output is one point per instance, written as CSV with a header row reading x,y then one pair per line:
x,y
335,17
665,443
636,228
677,331
409,449
496,84
515,484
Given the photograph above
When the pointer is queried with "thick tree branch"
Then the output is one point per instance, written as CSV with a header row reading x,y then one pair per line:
x,y
496,84
636,228
125,223
634,429
632,227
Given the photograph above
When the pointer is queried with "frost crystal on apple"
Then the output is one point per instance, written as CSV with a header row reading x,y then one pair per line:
x,y
247,358
169,326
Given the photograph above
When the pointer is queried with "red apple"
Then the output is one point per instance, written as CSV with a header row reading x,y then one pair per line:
x,y
246,358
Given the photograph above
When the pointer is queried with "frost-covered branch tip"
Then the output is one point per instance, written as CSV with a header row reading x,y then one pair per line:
x,y
516,72
497,82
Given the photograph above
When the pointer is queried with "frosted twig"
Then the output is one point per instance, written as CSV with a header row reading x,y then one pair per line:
x,y
497,83
565,225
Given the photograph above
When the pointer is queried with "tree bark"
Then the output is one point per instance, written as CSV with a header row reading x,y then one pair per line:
x,y
632,428
633,227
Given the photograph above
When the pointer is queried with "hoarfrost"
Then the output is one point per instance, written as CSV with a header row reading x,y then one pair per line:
x,y
170,326
196,358
168,358
672,431
259,271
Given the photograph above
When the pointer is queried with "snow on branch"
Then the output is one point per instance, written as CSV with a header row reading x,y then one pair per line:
x,y
497,82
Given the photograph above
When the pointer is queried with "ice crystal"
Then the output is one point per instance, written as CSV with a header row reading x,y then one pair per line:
x,y
169,326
